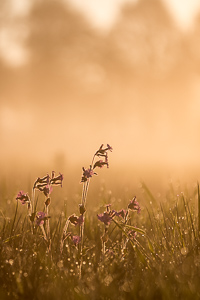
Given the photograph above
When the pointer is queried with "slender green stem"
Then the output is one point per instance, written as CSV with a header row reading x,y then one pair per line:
x,y
48,225
83,194
12,228
33,200
63,235
103,247
44,233
81,249
93,160
86,191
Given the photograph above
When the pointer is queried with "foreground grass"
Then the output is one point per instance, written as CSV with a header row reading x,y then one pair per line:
x,y
163,262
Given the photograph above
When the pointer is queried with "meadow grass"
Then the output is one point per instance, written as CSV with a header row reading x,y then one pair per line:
x,y
123,253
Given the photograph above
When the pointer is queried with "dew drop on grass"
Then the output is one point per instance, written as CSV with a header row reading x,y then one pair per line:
x,y
11,261
60,264
184,251
25,274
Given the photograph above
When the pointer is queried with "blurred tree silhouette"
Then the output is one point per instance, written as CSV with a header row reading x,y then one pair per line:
x,y
61,45
56,31
145,39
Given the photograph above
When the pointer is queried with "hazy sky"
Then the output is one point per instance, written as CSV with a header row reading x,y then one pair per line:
x,y
167,126
103,13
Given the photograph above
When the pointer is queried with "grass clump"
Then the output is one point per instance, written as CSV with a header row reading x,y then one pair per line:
x,y
135,252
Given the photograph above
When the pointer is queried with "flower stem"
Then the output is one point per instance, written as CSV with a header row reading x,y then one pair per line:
x,y
44,233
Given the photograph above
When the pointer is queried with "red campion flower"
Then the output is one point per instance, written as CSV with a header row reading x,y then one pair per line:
x,y
100,163
40,218
134,205
56,180
106,217
87,174
45,188
76,239
102,151
41,181
23,197
109,148
76,220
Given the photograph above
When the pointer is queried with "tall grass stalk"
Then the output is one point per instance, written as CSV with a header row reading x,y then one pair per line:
x,y
198,194
13,223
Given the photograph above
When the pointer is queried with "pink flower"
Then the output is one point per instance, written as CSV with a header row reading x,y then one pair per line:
x,y
40,218
46,181
109,148
41,181
106,217
76,220
102,151
46,189
134,205
23,197
57,180
87,174
100,163
76,239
